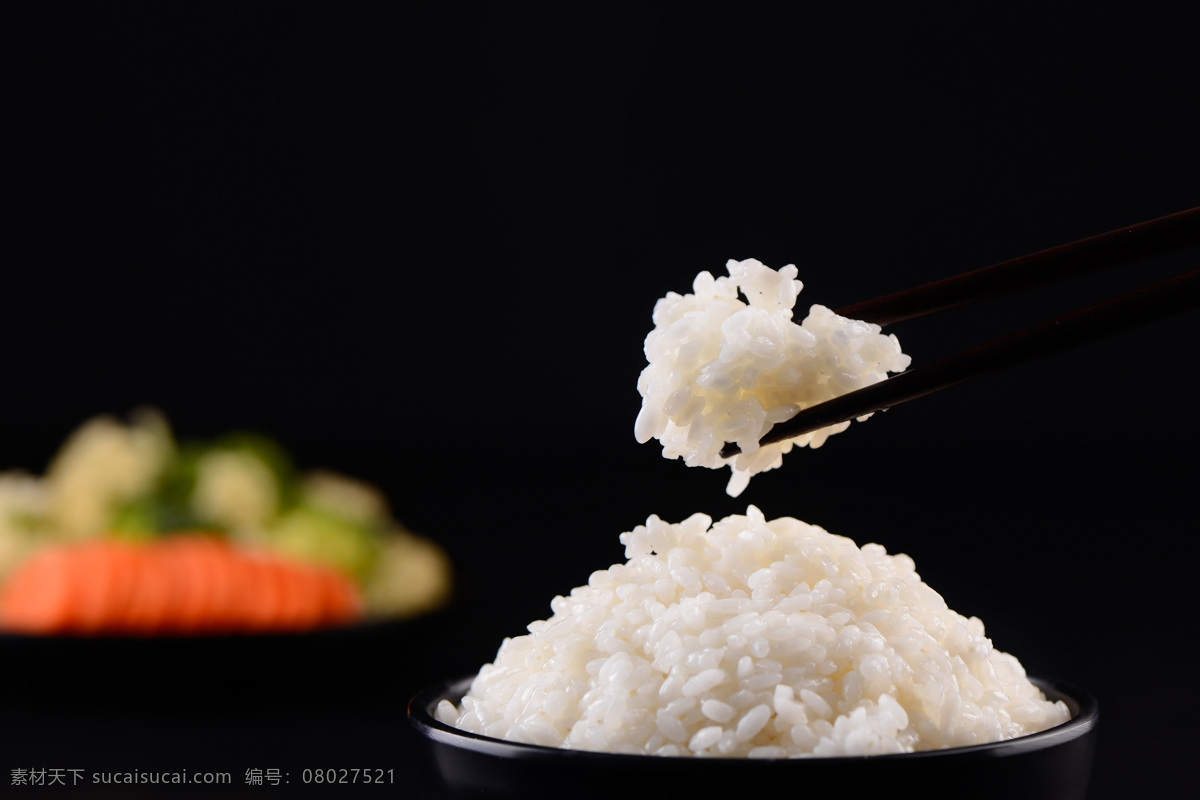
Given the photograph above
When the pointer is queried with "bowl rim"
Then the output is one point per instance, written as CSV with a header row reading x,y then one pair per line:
x,y
1082,705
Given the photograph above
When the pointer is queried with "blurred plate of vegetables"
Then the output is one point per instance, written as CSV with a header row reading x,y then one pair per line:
x,y
131,533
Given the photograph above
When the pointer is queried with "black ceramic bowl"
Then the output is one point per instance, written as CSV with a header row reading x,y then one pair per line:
x,y
1054,764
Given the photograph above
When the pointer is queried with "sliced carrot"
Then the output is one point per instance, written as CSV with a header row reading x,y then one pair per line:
x,y
341,603
187,587
226,599
227,596
184,584
324,596
117,604
300,609
89,573
210,589
15,595
267,594
38,598
146,611
175,590
278,593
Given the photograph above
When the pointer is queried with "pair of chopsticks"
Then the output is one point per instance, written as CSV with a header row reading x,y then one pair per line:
x,y
1172,296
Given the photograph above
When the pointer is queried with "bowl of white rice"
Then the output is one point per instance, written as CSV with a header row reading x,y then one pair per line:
x,y
747,654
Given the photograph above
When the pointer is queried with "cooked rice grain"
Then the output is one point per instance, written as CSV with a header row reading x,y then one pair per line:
x,y
723,371
756,638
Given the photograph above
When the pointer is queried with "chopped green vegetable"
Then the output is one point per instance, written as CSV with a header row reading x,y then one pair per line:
x,y
314,535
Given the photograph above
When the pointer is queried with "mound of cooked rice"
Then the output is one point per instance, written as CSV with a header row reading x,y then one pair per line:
x,y
756,638
722,370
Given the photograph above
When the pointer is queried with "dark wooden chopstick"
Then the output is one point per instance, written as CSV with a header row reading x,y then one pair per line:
x,y
1158,300
1146,239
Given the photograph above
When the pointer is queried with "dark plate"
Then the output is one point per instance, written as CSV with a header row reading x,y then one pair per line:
x,y
289,703
1054,764
333,665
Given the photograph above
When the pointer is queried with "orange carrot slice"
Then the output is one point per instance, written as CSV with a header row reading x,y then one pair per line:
x,y
214,565
90,575
144,613
185,584
117,603
340,602
188,587
38,598
300,607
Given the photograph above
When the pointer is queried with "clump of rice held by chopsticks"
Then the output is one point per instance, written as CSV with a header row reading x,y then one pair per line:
x,y
724,370
756,638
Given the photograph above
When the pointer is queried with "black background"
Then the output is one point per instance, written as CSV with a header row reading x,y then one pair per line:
x,y
422,247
